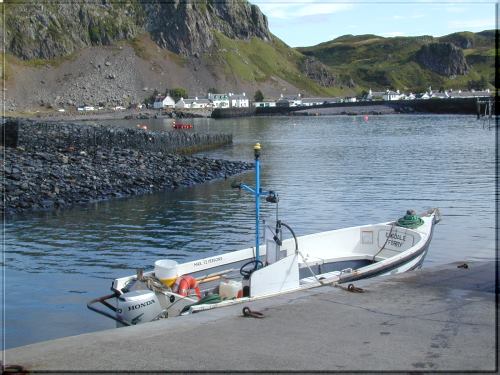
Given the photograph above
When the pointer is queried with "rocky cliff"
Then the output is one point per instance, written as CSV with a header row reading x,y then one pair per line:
x,y
188,27
443,58
50,29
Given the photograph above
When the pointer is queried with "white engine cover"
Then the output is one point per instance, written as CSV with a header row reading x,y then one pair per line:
x,y
138,306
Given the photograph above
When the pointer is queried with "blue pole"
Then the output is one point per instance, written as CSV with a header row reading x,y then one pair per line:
x,y
257,207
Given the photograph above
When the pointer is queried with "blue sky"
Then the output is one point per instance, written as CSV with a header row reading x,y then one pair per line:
x,y
301,23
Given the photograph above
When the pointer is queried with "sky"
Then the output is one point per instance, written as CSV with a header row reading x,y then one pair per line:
x,y
302,23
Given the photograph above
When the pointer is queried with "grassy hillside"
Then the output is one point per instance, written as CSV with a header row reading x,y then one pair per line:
x,y
256,60
379,63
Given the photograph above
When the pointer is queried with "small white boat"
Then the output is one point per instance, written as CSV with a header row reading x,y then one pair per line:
x,y
276,267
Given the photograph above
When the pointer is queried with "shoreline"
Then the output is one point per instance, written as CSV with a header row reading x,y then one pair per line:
x,y
447,106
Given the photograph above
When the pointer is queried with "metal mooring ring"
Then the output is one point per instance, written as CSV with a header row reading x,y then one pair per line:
x,y
251,314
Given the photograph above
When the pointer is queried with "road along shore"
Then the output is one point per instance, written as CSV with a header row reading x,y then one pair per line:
x,y
55,165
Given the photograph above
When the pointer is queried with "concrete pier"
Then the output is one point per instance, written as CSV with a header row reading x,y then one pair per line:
x,y
436,319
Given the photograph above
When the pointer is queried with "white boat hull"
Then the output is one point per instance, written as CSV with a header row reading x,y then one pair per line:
x,y
338,256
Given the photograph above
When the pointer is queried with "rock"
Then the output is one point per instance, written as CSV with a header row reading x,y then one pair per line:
x,y
318,72
445,59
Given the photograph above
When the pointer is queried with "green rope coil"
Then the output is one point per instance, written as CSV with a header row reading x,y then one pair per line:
x,y
410,220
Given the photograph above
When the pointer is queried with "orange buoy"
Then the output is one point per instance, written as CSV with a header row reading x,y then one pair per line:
x,y
186,285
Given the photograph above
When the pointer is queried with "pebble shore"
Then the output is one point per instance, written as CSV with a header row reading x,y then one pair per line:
x,y
66,164
47,180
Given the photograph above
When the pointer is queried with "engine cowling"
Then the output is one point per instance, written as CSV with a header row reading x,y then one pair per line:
x,y
138,306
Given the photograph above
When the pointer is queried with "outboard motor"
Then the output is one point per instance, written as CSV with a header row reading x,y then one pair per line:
x,y
138,306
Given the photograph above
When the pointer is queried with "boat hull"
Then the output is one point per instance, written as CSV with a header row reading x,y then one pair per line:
x,y
333,257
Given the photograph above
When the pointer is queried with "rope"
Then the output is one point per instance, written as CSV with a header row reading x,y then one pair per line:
x,y
309,268
155,285
410,220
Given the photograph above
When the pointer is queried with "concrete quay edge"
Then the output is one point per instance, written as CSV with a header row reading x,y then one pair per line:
x,y
441,318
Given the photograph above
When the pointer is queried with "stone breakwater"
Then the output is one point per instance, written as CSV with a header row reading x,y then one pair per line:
x,y
32,135
49,177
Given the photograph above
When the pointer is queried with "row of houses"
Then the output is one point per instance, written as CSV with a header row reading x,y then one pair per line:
x,y
429,94
229,100
298,101
232,100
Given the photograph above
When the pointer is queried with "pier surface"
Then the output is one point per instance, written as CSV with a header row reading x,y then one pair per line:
x,y
441,318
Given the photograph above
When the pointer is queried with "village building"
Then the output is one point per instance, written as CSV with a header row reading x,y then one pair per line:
x,y
219,100
469,94
440,95
193,103
238,100
392,95
263,104
163,102
375,95
308,102
289,101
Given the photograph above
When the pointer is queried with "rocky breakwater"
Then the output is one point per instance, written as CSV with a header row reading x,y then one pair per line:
x,y
57,177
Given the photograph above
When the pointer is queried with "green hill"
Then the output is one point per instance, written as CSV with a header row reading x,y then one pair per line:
x,y
379,63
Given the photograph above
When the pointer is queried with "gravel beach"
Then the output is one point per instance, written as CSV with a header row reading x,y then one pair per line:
x,y
56,174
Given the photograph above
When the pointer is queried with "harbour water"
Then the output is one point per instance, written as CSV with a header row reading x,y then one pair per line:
x,y
330,172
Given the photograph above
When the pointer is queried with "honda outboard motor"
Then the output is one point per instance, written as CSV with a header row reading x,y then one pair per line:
x,y
138,306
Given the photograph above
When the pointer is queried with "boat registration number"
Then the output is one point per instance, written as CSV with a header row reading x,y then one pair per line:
x,y
204,262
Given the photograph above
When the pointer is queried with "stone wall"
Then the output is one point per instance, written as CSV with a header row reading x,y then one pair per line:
x,y
31,135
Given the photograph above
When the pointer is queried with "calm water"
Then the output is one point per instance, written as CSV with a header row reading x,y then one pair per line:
x,y
330,172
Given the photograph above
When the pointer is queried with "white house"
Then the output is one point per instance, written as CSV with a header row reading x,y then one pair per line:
x,y
440,95
391,95
164,102
193,103
425,95
308,102
86,108
374,95
469,94
219,100
238,100
289,101
264,104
